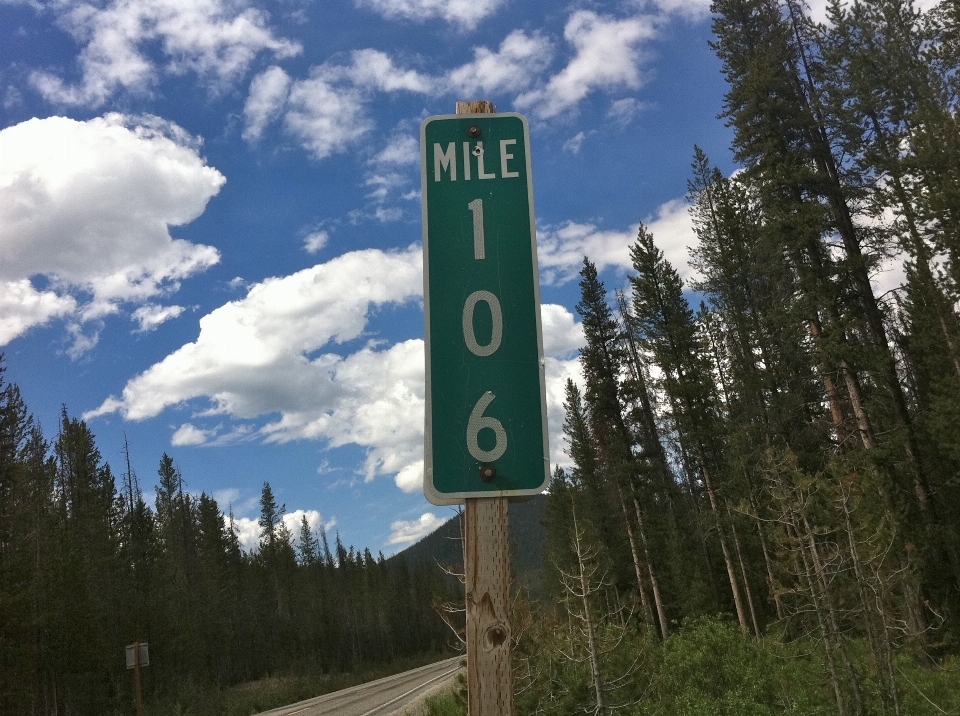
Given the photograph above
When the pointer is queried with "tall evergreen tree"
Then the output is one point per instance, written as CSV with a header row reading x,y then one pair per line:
x,y
89,576
308,548
797,93
667,327
610,473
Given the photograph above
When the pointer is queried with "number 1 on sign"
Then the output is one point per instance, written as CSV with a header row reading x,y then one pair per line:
x,y
479,244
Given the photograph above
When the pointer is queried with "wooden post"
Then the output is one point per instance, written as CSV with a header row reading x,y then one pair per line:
x,y
487,574
487,584
136,677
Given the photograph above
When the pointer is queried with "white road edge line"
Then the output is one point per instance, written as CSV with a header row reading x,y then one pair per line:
x,y
332,695
416,688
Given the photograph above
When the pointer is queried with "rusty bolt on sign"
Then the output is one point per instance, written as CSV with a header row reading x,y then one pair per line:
x,y
473,131
488,473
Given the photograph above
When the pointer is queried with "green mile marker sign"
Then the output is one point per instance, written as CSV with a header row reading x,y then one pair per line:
x,y
486,420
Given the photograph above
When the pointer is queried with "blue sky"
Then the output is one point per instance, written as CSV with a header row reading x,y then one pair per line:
x,y
210,218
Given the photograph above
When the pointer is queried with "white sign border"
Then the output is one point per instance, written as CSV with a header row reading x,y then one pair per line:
x,y
455,498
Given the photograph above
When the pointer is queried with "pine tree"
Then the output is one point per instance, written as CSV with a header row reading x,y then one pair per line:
x,y
831,125
666,324
18,577
213,603
86,569
764,364
891,95
88,574
309,546
609,470
771,390
277,557
271,517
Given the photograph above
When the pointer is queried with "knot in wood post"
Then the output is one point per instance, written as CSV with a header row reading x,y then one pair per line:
x,y
487,579
487,572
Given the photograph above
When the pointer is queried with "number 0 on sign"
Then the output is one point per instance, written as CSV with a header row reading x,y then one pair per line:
x,y
486,425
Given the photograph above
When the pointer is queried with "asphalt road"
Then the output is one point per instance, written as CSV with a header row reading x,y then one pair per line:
x,y
374,698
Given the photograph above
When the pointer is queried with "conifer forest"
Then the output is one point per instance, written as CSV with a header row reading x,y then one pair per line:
x,y
762,512
87,567
778,441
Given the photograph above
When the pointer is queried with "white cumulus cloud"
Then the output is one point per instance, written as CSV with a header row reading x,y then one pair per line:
x,y
189,434
390,174
410,478
248,528
513,67
150,316
409,531
328,111
672,229
315,241
464,13
248,533
607,56
22,306
376,70
561,248
215,39
250,357
376,401
623,111
557,373
401,149
561,333
562,339
326,118
575,143
268,96
66,192
251,360
294,521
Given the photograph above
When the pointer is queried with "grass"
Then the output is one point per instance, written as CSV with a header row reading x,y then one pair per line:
x,y
451,702
448,703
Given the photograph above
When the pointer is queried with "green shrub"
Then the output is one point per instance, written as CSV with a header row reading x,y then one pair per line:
x,y
929,689
448,703
711,668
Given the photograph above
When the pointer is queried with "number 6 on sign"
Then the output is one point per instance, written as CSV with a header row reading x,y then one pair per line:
x,y
477,422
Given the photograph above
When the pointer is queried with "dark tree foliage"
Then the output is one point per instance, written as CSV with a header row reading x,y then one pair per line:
x,y
788,453
87,568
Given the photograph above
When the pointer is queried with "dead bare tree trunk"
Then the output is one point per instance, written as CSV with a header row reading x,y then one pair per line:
x,y
831,612
769,565
658,600
743,574
584,590
880,646
638,570
805,574
727,558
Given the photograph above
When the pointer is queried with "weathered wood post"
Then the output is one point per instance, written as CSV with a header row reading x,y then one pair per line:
x,y
487,585
136,677
485,422
487,573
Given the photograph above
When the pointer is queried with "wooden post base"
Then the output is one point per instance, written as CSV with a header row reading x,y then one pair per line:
x,y
487,576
